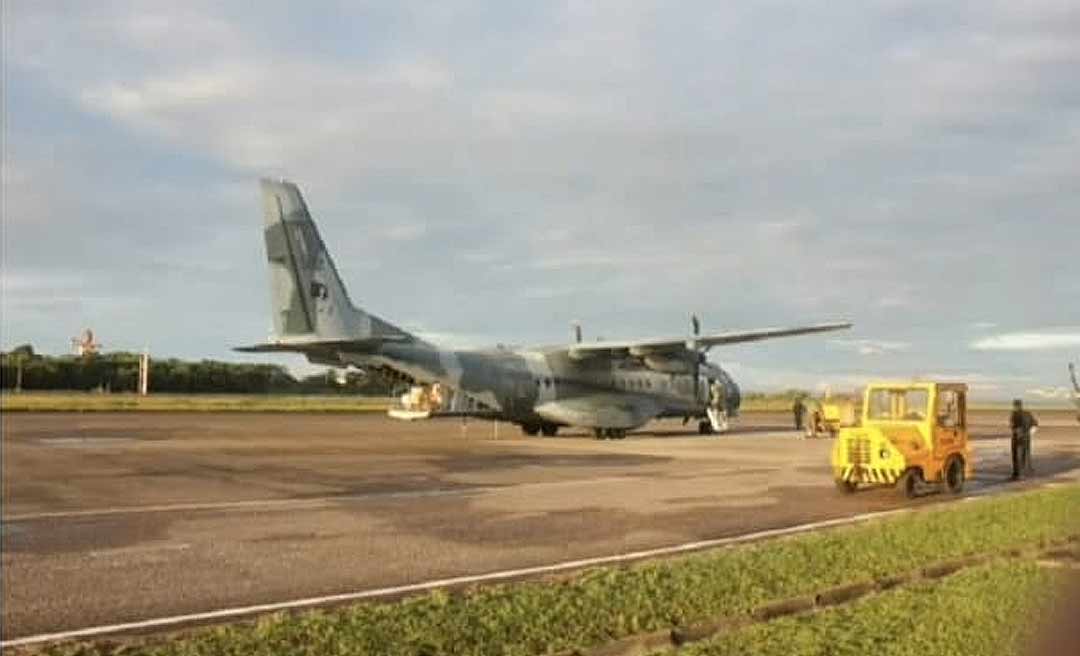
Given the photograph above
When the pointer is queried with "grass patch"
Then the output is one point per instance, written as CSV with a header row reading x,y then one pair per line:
x,y
603,604
964,614
93,402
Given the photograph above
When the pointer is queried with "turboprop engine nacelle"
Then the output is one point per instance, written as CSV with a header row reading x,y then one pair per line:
x,y
668,365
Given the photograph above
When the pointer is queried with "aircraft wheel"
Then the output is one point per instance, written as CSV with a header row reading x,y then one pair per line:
x,y
954,475
549,430
599,433
704,427
530,429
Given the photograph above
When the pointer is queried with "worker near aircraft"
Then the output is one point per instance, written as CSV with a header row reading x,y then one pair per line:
x,y
798,409
1024,426
1076,389
718,403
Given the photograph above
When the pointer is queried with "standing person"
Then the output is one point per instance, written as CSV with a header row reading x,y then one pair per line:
x,y
798,409
717,410
1023,425
1076,389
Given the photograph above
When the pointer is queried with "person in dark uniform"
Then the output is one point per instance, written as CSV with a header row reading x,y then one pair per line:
x,y
1076,389
1023,425
799,410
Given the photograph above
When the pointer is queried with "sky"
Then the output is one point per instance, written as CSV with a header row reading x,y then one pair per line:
x,y
489,172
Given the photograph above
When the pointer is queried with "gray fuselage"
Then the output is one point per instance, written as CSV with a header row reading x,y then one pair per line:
x,y
546,385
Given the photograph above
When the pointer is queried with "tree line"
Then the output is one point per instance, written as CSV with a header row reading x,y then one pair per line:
x,y
119,372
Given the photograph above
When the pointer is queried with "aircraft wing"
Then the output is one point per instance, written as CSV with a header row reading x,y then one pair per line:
x,y
648,346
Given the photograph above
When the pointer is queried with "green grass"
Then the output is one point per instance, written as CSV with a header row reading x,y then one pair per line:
x,y
92,402
603,604
990,610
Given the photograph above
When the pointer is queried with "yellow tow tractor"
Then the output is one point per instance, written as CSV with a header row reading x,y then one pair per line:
x,y
912,435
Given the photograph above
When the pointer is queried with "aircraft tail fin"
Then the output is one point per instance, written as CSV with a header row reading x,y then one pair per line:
x,y
307,295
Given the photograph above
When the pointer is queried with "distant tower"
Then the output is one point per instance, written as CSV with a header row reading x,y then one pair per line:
x,y
85,345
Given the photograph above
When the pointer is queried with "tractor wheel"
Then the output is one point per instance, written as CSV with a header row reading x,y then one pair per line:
x,y
910,483
549,430
530,429
954,475
847,487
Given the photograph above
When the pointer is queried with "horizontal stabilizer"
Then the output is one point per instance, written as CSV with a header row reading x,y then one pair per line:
x,y
363,345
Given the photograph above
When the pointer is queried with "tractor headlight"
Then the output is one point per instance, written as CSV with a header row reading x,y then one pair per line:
x,y
884,454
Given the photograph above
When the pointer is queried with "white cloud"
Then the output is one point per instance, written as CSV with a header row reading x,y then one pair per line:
x,y
893,301
406,231
872,346
621,164
1029,341
1051,392
162,96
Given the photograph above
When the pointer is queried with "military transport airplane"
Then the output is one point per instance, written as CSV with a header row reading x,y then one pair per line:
x,y
607,386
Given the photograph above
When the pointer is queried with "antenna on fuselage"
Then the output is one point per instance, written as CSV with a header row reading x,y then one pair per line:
x,y
577,331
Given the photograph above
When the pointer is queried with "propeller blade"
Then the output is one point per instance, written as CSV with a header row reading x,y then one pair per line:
x,y
697,379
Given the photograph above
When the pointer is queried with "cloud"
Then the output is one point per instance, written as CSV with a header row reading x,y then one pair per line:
x,y
1051,393
406,231
620,164
1029,341
872,346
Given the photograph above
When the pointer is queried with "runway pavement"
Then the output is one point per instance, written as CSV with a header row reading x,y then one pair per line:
x,y
111,518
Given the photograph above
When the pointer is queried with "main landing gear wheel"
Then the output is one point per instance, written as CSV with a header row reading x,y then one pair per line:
x,y
530,429
954,476
549,430
704,427
609,433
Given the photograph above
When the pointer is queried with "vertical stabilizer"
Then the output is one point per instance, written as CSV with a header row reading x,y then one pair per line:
x,y
307,295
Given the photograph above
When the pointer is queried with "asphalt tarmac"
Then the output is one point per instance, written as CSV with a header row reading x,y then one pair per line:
x,y
112,518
